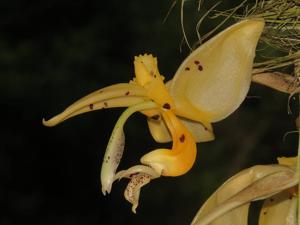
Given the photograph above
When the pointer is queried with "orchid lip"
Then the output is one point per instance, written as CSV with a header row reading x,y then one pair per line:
x,y
178,160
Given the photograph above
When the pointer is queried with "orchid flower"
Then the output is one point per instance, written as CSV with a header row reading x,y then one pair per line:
x,y
209,85
276,184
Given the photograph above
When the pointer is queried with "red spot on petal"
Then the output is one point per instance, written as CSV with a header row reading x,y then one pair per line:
x,y
182,138
196,62
91,106
127,93
167,106
155,117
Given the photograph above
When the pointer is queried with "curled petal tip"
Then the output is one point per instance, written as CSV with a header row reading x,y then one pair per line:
x,y
44,122
133,208
48,123
105,191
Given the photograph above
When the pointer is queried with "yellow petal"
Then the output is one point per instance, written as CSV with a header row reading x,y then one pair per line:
x,y
250,184
118,95
280,209
181,158
287,161
161,134
216,77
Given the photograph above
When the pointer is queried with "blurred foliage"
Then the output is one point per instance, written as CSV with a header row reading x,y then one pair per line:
x,y
54,52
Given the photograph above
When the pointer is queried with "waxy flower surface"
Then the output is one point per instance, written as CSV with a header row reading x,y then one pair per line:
x,y
276,184
208,86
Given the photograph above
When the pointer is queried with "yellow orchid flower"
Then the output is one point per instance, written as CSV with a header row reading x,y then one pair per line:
x,y
229,204
208,86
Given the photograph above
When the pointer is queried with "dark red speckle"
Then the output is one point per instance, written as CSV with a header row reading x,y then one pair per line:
x,y
91,106
187,68
182,138
200,68
127,93
196,62
155,117
105,104
167,106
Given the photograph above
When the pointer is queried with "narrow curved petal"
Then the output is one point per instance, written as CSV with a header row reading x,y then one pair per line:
x,y
280,209
115,147
181,158
161,134
230,203
118,95
216,77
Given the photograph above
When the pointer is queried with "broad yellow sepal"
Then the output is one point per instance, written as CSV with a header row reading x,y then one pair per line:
x,y
216,77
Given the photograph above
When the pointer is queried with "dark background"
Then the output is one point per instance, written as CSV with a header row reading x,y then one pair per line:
x,y
52,53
